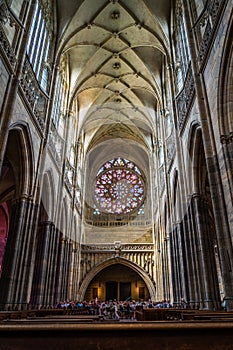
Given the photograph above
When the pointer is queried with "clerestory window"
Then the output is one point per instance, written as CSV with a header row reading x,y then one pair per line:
x,y
39,42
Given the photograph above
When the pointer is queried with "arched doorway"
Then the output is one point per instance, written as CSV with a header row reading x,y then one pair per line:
x,y
117,282
117,279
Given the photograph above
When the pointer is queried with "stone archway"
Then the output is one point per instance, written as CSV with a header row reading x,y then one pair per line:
x,y
113,261
18,214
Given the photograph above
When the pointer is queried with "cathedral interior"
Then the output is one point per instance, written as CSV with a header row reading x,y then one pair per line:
x,y
116,152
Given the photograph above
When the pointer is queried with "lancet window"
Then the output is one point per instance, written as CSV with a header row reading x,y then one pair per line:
x,y
39,43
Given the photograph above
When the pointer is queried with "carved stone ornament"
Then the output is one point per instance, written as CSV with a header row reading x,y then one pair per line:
x,y
226,139
115,15
4,13
116,65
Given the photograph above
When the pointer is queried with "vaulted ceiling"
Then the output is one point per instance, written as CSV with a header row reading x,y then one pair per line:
x,y
115,52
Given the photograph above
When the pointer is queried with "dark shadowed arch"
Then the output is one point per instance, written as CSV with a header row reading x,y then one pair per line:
x,y
112,261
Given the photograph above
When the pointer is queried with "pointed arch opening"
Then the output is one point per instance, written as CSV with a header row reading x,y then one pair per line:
x,y
100,275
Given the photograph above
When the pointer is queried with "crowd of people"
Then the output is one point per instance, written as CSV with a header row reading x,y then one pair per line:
x,y
112,309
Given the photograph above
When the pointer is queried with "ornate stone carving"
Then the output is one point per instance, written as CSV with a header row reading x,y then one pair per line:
x,y
205,41
139,254
56,144
111,222
68,184
115,15
6,48
213,9
208,20
4,13
116,65
185,98
226,139
35,97
112,247
117,246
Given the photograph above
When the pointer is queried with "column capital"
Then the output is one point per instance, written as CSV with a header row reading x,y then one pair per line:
x,y
196,195
226,139
69,113
47,223
23,197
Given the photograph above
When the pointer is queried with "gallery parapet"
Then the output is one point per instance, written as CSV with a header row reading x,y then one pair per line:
x,y
117,223
145,247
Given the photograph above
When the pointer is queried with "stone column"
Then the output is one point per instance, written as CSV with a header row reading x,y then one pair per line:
x,y
44,277
52,266
165,269
69,262
57,261
226,165
16,277
194,277
65,265
60,292
184,261
205,250
75,260
63,286
174,267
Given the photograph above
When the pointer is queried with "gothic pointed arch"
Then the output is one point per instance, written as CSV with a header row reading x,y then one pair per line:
x,y
112,261
176,197
64,218
225,88
196,159
203,222
16,176
225,120
16,191
47,195
20,150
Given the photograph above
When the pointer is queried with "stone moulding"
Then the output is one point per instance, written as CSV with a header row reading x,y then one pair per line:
x,y
111,247
7,49
226,139
209,19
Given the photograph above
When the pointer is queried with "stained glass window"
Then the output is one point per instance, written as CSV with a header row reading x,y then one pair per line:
x,y
119,187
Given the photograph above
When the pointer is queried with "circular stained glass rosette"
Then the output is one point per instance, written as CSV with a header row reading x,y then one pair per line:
x,y
119,187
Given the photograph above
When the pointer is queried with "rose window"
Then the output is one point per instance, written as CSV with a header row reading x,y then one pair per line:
x,y
119,187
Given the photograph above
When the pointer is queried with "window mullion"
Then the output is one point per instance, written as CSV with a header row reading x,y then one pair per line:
x,y
38,52
41,50
33,31
35,38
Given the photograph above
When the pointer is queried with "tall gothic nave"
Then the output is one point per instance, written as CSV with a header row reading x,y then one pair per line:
x,y
116,152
